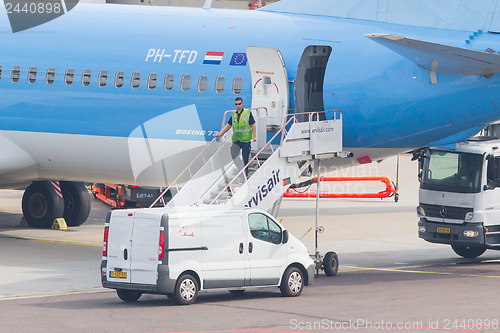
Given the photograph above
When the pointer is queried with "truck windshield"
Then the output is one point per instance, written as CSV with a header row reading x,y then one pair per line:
x,y
452,172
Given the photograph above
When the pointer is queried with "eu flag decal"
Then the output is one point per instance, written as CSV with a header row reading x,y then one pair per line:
x,y
238,59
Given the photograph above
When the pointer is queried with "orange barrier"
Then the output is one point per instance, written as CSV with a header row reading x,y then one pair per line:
x,y
388,192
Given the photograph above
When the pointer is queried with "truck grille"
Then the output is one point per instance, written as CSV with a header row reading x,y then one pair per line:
x,y
446,212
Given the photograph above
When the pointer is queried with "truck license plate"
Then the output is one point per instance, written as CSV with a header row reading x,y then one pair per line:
x,y
120,275
442,230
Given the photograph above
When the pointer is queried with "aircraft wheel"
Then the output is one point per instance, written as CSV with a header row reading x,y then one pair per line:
x,y
128,295
292,282
469,252
41,205
186,290
76,203
331,264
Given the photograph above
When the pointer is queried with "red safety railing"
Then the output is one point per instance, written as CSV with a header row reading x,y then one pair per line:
x,y
389,191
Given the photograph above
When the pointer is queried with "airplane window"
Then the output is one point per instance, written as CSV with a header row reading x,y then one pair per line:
x,y
69,76
169,82
0,72
15,73
135,80
32,74
119,78
237,85
202,83
51,75
220,81
185,82
86,75
152,79
103,78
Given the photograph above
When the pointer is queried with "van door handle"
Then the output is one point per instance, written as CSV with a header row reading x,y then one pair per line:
x,y
241,248
125,254
250,247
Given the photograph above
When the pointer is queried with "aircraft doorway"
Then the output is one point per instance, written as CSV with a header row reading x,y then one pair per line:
x,y
309,80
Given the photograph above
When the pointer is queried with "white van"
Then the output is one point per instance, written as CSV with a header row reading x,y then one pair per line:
x,y
179,251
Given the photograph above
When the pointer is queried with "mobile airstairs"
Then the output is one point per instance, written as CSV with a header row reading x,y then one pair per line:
x,y
275,164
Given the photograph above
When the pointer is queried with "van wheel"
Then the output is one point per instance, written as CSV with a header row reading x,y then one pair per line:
x,y
128,295
331,264
469,252
292,282
186,290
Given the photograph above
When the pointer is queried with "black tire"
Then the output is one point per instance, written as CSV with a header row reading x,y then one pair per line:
x,y
292,282
76,203
41,205
128,295
331,263
186,290
469,252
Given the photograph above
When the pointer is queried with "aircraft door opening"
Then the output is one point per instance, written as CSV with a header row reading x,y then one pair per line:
x,y
309,80
269,83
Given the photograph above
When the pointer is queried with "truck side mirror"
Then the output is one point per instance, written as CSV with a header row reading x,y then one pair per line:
x,y
285,237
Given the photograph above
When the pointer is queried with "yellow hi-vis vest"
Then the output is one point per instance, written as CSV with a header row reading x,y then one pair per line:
x,y
242,130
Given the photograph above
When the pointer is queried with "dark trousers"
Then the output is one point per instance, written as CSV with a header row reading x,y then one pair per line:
x,y
245,148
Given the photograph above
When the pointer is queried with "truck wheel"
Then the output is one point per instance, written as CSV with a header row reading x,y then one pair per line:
x,y
128,295
292,282
41,205
76,203
186,290
469,252
331,264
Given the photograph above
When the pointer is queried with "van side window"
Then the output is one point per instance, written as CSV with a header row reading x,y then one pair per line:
x,y
103,78
50,76
185,82
168,84
86,75
152,78
237,85
69,76
119,78
15,73
265,229
220,81
202,83
135,80
32,74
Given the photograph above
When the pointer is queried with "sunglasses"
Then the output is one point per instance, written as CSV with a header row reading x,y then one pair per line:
x,y
237,104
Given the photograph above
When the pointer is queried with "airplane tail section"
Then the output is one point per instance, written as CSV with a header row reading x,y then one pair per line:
x,y
469,15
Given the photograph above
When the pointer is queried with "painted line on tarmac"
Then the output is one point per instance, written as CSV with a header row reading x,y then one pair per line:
x,y
50,240
55,293
422,272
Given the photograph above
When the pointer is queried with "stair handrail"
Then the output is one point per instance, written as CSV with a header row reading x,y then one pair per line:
x,y
282,131
200,154
183,172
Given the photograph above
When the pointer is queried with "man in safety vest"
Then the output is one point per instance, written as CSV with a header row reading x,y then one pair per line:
x,y
243,124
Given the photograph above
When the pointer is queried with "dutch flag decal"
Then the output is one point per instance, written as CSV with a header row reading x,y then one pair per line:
x,y
213,58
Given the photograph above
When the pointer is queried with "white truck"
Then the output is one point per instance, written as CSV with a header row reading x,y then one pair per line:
x,y
459,196
178,251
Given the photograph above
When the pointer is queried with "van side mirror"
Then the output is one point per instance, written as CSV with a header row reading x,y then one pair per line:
x,y
285,237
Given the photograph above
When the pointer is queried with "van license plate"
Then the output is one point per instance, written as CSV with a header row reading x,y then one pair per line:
x,y
120,275
442,230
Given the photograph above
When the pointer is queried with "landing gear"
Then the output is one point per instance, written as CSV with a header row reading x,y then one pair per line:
x,y
76,203
468,252
42,205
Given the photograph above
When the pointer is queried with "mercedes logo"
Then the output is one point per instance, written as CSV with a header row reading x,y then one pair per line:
x,y
443,211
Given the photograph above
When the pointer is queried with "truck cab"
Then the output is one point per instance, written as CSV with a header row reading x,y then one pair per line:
x,y
459,196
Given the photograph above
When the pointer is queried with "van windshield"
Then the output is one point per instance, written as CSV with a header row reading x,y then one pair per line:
x,y
452,172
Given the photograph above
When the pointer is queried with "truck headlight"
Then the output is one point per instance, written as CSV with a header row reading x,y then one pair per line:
x,y
471,233
420,211
469,216
422,228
